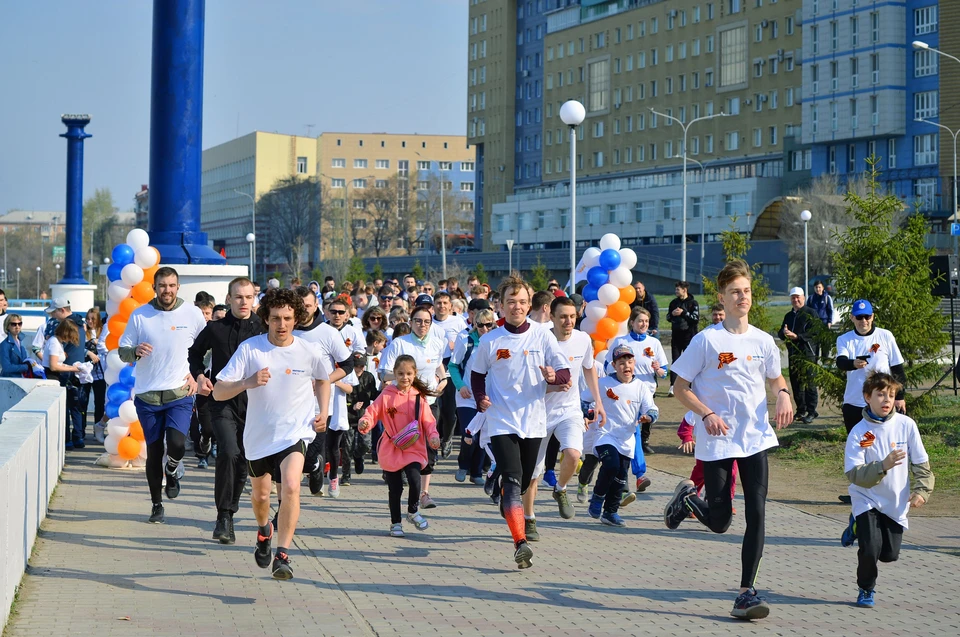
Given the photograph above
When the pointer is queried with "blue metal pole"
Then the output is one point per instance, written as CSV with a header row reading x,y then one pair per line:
x,y
73,272
176,113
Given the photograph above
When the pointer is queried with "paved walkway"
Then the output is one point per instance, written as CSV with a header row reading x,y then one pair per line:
x,y
99,569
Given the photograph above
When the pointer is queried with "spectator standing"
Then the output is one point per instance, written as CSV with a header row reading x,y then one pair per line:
x,y
649,303
798,331
822,305
684,316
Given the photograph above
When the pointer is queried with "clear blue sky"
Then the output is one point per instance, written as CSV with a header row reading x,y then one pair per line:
x,y
341,65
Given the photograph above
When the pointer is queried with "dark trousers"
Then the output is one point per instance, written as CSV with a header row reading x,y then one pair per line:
x,y
589,465
431,453
355,445
879,538
227,422
334,441
395,486
716,511
77,397
471,456
852,415
201,423
99,389
804,384
553,450
316,451
613,477
678,343
447,415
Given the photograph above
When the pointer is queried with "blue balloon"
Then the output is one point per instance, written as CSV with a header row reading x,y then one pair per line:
x,y
112,410
597,276
113,271
122,255
117,393
589,293
127,376
609,259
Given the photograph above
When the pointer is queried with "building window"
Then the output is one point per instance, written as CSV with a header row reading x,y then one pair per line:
x,y
359,163
359,204
671,208
925,104
380,183
875,27
854,114
874,68
925,149
339,163
814,118
383,163
815,38
789,25
732,140
834,35
851,158
773,135
466,186
834,76
891,153
874,111
854,31
599,86
925,191
736,205
757,137
359,183
466,166
733,56
616,213
643,211
925,63
338,183
598,159
423,165
301,165
925,20
446,165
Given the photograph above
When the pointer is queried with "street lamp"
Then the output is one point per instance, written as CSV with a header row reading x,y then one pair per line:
x,y
253,230
18,283
805,216
953,133
38,281
443,227
251,239
702,215
572,113
510,257
90,268
106,261
683,230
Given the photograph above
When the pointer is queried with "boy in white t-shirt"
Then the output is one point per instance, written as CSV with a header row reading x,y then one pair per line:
x,y
729,363
880,487
285,378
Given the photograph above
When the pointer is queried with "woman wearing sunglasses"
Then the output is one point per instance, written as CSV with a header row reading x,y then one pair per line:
x,y
375,319
15,361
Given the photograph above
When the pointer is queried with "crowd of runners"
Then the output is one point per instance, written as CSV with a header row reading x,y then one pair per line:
x,y
325,382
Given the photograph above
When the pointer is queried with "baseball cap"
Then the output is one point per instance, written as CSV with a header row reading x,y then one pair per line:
x,y
559,293
577,300
478,304
862,308
57,303
796,292
359,358
622,350
423,299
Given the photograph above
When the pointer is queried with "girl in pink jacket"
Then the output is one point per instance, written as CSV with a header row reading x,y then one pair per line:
x,y
396,407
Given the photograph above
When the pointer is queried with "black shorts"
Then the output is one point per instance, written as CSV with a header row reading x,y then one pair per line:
x,y
263,466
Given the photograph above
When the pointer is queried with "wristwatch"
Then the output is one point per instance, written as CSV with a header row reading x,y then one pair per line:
x,y
784,390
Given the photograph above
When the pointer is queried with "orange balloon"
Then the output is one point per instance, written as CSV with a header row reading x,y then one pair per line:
x,y
129,448
627,294
127,306
599,346
618,311
116,324
136,432
113,341
150,273
606,329
142,292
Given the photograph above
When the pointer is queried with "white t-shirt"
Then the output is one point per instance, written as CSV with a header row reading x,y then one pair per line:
x,y
330,343
52,347
170,333
892,496
644,353
281,412
578,350
428,357
338,404
624,404
514,383
451,326
882,349
353,338
729,371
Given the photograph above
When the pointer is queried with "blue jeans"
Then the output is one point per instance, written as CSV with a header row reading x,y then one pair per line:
x,y
613,477
77,397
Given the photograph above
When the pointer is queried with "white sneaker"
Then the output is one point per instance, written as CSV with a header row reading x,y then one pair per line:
x,y
670,393
396,530
335,488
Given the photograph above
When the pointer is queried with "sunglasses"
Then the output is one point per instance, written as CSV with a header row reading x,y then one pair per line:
x,y
15,324
376,318
337,312
386,298
485,326
864,317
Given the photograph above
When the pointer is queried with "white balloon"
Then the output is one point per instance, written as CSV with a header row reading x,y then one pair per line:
x,y
128,412
131,274
111,375
143,449
609,241
588,325
623,328
601,358
591,257
117,428
119,290
114,362
111,444
621,277
138,238
145,257
628,258
608,294
112,308
595,311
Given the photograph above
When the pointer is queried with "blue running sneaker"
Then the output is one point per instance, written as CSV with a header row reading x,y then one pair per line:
x,y
749,605
596,507
612,519
865,599
550,477
850,533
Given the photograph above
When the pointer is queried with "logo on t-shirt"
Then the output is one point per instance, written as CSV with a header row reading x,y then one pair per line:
x,y
348,342
648,352
725,358
391,411
610,394
503,354
868,440
875,348
288,371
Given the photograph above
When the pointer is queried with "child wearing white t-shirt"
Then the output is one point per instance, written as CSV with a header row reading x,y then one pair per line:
x,y
880,488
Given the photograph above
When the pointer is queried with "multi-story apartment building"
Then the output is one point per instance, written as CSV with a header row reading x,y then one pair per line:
x,y
864,89
623,59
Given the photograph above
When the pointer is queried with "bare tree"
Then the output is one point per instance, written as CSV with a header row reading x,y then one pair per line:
x,y
291,211
425,228
383,214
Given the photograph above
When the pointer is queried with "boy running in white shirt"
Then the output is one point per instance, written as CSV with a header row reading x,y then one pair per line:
x,y
880,487
285,378
729,363
628,403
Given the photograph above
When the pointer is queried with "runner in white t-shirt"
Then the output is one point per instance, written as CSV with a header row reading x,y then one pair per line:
x,y
512,367
285,378
729,363
452,325
337,313
564,416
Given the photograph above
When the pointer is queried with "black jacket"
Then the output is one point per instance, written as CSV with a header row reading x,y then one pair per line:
x,y
803,323
364,393
222,337
689,321
649,304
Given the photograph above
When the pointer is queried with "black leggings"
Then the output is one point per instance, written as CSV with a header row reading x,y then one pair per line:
x,y
447,416
553,450
613,477
516,461
395,485
589,465
176,448
852,415
717,512
334,438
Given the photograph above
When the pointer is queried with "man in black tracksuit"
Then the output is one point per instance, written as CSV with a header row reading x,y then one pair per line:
x,y
798,330
222,338
684,317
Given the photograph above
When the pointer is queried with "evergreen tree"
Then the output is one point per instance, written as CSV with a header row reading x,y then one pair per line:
x,y
356,271
316,274
539,276
377,272
417,271
480,273
735,246
884,260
